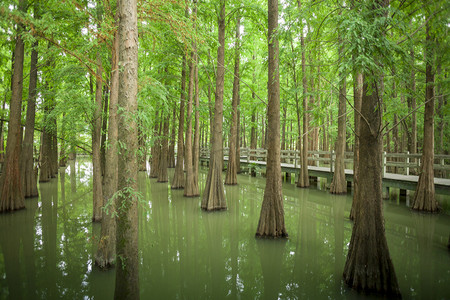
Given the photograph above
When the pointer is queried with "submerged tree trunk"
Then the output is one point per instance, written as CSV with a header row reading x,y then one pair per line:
x,y
424,197
214,196
96,146
27,160
231,175
178,176
357,92
11,193
106,252
369,267
127,270
271,220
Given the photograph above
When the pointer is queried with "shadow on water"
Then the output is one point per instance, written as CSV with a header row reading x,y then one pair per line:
x,y
46,250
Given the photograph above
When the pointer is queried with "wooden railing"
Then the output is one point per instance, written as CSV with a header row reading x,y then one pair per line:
x,y
400,163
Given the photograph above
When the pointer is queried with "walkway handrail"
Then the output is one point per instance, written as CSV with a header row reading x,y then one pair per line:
x,y
397,163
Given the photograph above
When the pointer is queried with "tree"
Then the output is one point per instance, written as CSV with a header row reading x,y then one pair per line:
x,y
213,195
368,267
271,220
231,175
27,159
163,157
106,252
11,193
424,197
127,270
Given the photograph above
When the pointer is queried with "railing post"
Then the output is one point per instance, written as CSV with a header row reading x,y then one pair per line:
x,y
384,164
331,161
295,159
407,163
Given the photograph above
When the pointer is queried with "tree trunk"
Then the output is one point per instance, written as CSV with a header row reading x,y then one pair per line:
x,y
104,128
127,270
368,267
213,195
163,160
271,220
424,197
173,131
357,92
196,145
106,253
142,149
303,180
178,176
339,184
11,193
96,136
27,159
231,175
156,149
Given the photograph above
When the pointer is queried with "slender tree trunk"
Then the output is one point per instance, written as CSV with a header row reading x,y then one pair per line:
x,y
106,253
304,176
239,137
357,98
104,128
253,141
196,145
339,184
163,160
271,220
156,149
142,149
172,139
231,175
62,150
11,192
127,270
27,159
178,176
96,147
424,197
213,195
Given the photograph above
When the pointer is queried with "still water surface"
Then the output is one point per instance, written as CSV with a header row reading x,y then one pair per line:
x,y
46,250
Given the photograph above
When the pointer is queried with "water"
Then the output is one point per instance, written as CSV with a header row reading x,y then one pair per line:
x,y
185,253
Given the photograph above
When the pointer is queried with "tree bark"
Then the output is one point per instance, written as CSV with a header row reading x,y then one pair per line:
x,y
127,270
27,159
104,128
11,193
271,220
106,252
368,267
156,148
96,146
171,155
196,145
424,197
178,176
163,158
213,195
231,175
357,92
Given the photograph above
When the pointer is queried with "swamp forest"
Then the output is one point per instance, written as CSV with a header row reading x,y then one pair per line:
x,y
223,149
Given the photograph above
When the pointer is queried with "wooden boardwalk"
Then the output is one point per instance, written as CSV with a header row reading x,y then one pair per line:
x,y
390,180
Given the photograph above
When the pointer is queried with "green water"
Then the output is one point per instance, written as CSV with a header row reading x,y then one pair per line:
x,y
46,250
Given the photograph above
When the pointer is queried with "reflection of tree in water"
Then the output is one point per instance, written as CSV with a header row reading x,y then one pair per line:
x,y
425,225
338,205
271,254
232,195
18,229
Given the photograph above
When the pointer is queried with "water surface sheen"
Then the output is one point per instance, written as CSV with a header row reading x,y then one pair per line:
x,y
46,250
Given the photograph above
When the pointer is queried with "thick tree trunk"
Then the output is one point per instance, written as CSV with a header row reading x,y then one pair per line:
x,y
178,176
357,98
271,220
213,195
96,146
368,267
106,252
27,159
424,197
163,159
11,193
231,175
339,184
127,270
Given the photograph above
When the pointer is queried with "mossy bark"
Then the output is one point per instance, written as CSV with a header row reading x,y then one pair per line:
x,y
271,220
